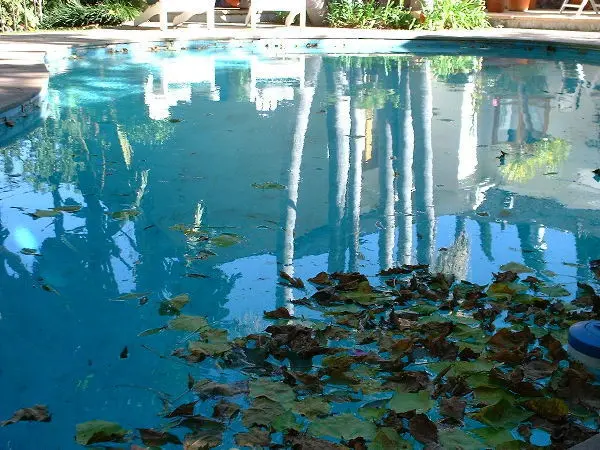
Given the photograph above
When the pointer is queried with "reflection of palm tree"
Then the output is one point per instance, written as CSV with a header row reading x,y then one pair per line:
x,y
386,189
455,259
357,147
531,237
422,113
338,137
403,163
306,94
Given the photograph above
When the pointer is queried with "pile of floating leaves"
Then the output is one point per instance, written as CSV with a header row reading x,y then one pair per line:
x,y
424,361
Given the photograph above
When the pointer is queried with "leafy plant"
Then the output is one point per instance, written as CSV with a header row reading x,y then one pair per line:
x,y
73,14
19,14
455,14
370,14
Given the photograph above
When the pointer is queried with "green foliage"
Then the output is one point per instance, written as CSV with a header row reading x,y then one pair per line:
x,y
73,14
18,15
370,14
456,14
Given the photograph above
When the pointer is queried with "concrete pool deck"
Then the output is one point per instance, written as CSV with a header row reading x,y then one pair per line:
x,y
23,74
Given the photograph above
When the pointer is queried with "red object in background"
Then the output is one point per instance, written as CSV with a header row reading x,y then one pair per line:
x,y
232,3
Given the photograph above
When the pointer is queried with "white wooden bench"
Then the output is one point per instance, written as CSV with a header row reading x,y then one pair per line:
x,y
294,7
186,8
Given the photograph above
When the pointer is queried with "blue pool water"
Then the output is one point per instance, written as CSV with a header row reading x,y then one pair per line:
x,y
302,163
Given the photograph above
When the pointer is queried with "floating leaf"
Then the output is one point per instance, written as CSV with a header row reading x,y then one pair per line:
x,y
312,407
553,409
494,437
185,410
155,438
173,306
151,331
554,291
403,402
40,213
343,426
269,185
273,390
279,313
203,439
503,414
37,413
226,240
516,268
189,323
388,439
262,412
226,410
255,437
99,431
67,208
286,421
423,429
215,344
459,440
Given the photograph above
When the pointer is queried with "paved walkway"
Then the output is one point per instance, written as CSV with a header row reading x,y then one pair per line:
x,y
23,74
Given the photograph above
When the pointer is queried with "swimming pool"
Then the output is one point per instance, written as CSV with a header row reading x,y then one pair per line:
x,y
159,171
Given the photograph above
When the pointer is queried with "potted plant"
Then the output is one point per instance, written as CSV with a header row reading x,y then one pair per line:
x,y
495,6
518,5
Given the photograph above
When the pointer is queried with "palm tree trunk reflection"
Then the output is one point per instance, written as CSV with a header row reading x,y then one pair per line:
x,y
422,113
306,94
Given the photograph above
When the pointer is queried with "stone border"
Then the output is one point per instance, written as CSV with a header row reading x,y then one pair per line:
x,y
32,49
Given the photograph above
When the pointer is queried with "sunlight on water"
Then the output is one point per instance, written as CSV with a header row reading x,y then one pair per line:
x,y
207,173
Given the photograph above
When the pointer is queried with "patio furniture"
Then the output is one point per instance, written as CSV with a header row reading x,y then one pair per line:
x,y
580,6
186,8
295,7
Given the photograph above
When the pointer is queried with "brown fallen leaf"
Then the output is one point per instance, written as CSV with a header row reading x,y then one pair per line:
x,y
279,313
423,429
185,410
293,282
9,123
124,353
155,438
37,413
321,278
453,407
225,410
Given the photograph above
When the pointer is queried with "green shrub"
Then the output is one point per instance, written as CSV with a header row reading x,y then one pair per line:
x,y
456,14
370,14
19,15
73,14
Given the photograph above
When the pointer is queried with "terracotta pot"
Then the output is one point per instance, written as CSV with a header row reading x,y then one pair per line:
x,y
495,6
518,5
532,4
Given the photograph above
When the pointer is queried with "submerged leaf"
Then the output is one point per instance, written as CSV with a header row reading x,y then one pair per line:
x,y
39,213
125,214
312,407
554,291
98,431
226,240
262,412
423,429
516,268
269,185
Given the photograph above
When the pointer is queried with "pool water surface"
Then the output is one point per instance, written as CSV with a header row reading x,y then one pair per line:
x,y
199,172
